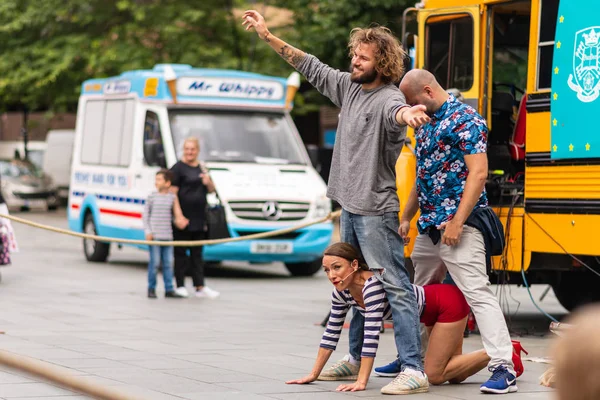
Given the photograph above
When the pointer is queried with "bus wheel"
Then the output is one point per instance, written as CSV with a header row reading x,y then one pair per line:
x,y
575,289
94,251
305,268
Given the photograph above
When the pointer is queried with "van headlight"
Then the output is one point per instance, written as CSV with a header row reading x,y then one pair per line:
x,y
322,207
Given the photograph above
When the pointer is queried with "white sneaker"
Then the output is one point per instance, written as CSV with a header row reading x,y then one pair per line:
x,y
207,292
182,291
407,382
342,370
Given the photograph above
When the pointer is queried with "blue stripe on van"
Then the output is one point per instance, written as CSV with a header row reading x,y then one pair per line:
x,y
118,199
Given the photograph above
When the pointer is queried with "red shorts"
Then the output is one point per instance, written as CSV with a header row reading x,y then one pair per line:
x,y
443,303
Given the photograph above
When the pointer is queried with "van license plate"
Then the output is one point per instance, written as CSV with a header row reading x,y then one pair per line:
x,y
272,247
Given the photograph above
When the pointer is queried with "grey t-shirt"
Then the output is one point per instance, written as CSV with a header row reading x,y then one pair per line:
x,y
368,140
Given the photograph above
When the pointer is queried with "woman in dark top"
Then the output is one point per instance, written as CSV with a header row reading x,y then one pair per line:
x,y
192,183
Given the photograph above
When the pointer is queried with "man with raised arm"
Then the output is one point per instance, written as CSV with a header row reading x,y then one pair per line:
x,y
370,134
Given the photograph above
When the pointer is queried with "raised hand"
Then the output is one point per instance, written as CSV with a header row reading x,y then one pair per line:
x,y
253,20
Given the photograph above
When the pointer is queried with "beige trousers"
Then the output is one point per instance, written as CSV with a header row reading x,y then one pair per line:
x,y
467,266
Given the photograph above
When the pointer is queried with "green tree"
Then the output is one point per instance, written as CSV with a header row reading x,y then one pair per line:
x,y
49,48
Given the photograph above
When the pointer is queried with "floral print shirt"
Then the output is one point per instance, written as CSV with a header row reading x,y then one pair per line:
x,y
455,130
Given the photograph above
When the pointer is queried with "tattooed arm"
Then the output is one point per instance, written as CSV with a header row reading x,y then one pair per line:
x,y
328,81
292,55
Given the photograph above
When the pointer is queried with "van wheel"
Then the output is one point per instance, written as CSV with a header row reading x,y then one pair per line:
x,y
305,268
94,251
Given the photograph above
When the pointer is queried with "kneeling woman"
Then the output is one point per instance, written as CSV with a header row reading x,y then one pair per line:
x,y
442,309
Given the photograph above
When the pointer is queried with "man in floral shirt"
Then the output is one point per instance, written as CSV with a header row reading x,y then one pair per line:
x,y
451,173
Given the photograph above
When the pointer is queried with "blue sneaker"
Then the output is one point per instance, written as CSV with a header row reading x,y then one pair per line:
x,y
390,370
501,382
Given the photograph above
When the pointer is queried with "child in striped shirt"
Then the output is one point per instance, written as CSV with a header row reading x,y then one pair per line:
x,y
161,207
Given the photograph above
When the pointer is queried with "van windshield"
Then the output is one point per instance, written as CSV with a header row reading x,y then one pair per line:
x,y
249,137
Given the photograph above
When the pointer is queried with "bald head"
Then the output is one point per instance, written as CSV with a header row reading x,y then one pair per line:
x,y
420,87
415,80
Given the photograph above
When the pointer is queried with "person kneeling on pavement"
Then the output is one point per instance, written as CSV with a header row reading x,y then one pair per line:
x,y
442,308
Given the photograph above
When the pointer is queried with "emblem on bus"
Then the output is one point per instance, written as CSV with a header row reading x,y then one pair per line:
x,y
585,80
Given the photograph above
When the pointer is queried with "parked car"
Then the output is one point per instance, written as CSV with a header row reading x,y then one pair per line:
x,y
57,160
36,150
25,186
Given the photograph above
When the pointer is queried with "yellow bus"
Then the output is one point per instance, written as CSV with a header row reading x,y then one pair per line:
x,y
532,69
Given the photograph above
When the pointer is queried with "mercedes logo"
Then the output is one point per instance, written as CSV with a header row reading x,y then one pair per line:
x,y
271,211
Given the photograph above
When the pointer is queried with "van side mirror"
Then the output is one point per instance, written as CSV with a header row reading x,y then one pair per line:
x,y
313,154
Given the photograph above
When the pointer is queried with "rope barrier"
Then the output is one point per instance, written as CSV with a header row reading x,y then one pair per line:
x,y
52,374
45,371
180,243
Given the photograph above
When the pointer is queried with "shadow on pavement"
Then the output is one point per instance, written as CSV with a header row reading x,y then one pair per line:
x,y
219,270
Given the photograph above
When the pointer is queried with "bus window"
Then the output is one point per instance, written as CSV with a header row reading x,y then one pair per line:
x,y
549,14
510,49
449,51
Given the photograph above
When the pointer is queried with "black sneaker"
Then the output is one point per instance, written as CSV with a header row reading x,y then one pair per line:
x,y
174,295
151,294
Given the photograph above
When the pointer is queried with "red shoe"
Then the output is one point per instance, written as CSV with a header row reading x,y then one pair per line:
x,y
516,357
471,323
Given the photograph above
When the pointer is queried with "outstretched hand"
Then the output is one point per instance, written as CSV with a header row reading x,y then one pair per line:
x,y
416,116
253,19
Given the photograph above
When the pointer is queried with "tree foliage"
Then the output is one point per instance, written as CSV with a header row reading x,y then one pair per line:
x,y
323,26
50,47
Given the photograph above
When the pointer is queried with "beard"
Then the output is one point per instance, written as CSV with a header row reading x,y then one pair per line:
x,y
366,76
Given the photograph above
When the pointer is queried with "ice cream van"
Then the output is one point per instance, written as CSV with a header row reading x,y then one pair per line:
x,y
130,126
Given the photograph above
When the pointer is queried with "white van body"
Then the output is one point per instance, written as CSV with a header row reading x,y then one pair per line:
x,y
130,126
58,159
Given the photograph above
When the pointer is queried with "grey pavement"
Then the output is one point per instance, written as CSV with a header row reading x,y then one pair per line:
x,y
94,321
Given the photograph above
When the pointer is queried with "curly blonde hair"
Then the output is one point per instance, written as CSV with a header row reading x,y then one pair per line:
x,y
389,53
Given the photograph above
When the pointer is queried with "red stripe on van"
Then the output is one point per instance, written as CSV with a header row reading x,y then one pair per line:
x,y
121,213
75,206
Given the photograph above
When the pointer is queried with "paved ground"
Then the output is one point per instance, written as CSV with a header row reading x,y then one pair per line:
x,y
94,321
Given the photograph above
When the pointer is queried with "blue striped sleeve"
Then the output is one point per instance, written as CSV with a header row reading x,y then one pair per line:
x,y
375,299
337,316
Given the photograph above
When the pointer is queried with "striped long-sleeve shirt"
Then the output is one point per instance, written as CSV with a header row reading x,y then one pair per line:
x,y
158,215
377,309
